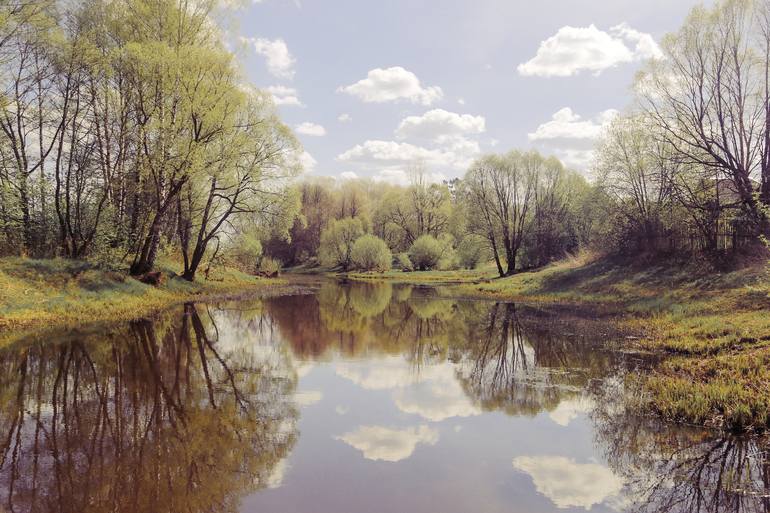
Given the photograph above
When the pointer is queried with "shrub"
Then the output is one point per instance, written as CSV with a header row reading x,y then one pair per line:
x,y
245,253
425,253
471,250
337,242
404,262
370,253
269,267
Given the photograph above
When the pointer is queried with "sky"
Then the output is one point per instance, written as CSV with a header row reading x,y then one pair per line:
x,y
371,87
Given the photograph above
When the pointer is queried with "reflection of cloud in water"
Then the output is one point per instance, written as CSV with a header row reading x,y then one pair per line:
x,y
383,374
569,409
438,396
432,392
307,397
570,484
275,479
386,444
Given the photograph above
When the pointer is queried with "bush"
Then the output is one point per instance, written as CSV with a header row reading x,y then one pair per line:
x,y
245,253
370,253
425,253
404,262
269,267
337,242
471,250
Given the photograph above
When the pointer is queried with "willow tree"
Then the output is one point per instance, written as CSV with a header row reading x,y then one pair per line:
x,y
245,175
499,191
185,92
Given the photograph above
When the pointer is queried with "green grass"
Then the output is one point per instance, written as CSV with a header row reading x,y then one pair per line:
x,y
64,293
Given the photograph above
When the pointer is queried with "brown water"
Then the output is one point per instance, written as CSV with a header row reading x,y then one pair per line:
x,y
352,398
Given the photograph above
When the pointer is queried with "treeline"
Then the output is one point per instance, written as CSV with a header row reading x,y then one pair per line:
x,y
126,130
518,209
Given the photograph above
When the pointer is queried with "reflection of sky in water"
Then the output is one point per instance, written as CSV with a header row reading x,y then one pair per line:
x,y
380,432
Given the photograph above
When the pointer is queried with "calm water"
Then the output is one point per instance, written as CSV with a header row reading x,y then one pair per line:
x,y
352,398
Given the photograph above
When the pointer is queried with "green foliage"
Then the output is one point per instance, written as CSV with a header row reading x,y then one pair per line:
x,y
471,251
269,266
426,253
245,253
404,263
337,241
370,253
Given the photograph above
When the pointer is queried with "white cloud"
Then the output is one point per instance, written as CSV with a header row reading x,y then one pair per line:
x,y
341,410
575,49
280,62
348,175
434,393
307,161
569,409
283,95
437,397
439,125
381,443
308,128
308,397
571,137
461,101
565,124
344,118
569,484
393,84
456,153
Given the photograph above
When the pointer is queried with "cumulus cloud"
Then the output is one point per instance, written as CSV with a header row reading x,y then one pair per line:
x,y
280,62
283,95
344,118
569,484
307,162
571,137
569,409
434,394
308,397
348,175
393,84
457,154
437,397
440,125
386,444
575,49
308,128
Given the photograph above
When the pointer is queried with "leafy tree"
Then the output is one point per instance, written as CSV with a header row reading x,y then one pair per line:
x,y
425,253
370,253
337,242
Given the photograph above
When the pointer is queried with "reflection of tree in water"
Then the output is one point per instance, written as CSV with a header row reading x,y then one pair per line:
x,y
676,469
517,360
150,417
525,364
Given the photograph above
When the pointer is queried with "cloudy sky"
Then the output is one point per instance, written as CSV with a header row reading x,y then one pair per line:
x,y
369,87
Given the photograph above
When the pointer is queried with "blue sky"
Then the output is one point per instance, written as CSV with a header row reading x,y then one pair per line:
x,y
371,87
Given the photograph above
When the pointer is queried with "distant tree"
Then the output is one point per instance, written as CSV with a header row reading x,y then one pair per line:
x,y
370,253
499,190
337,242
426,253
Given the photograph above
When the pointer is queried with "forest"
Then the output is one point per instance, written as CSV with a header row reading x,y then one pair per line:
x,y
129,133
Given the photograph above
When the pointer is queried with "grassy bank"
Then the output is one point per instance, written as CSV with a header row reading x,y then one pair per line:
x,y
63,293
714,327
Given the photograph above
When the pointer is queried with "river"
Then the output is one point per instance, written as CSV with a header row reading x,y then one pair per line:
x,y
350,398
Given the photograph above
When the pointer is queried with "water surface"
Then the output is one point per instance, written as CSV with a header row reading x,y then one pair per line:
x,y
352,398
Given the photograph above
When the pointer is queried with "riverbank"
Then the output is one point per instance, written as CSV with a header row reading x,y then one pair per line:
x,y
712,327
36,294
